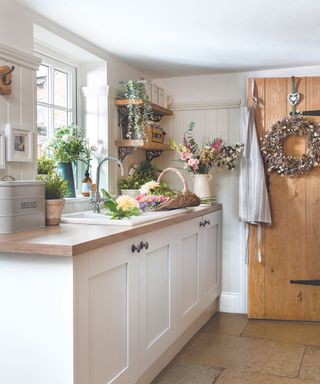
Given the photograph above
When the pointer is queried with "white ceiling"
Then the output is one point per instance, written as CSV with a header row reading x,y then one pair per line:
x,y
166,38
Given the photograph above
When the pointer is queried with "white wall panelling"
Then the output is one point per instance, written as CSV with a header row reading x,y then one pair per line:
x,y
18,108
216,118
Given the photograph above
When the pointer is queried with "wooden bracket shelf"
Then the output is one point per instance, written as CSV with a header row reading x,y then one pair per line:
x,y
153,150
156,109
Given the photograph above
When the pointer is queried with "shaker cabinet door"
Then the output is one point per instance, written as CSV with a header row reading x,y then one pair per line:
x,y
155,296
106,316
211,253
188,272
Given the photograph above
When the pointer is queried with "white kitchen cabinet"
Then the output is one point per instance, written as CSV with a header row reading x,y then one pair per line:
x,y
211,257
132,304
106,317
155,295
188,273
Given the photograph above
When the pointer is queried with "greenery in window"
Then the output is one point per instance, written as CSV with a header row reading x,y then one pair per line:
x,y
138,114
69,144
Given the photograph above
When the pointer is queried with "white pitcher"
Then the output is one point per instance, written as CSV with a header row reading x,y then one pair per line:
x,y
201,186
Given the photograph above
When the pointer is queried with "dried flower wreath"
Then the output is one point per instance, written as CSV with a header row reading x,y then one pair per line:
x,y
273,152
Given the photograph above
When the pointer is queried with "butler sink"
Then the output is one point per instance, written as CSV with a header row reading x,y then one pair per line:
x,y
89,217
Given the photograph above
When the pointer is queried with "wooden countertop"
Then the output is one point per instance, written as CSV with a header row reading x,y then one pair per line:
x,y
73,239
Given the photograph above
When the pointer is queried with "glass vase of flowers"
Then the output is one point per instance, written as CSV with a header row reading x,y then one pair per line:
x,y
199,160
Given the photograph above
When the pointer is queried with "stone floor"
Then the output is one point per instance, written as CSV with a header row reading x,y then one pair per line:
x,y
230,349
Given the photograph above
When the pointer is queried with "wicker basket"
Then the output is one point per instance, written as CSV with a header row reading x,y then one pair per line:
x,y
183,199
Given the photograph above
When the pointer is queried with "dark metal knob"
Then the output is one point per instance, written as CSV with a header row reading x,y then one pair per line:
x,y
135,248
207,222
202,224
144,245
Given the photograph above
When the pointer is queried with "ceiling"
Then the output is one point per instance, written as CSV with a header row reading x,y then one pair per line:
x,y
165,38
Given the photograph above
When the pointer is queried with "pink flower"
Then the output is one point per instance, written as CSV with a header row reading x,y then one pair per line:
x,y
217,144
193,163
186,155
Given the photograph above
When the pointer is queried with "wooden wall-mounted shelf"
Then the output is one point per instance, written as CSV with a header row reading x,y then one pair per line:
x,y
156,109
126,147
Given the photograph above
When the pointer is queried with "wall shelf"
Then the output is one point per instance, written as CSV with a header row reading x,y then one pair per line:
x,y
156,109
153,150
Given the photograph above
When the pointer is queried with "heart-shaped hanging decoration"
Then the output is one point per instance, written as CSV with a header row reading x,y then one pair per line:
x,y
294,98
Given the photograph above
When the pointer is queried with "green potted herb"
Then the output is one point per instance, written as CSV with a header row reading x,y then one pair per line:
x,y
146,171
67,146
45,165
139,108
55,190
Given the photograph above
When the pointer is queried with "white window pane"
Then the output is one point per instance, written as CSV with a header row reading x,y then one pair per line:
x,y
60,118
43,84
42,127
60,89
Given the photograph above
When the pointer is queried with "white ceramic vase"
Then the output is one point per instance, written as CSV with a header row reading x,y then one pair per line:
x,y
201,185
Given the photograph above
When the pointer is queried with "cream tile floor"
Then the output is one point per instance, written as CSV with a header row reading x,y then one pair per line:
x,y
230,349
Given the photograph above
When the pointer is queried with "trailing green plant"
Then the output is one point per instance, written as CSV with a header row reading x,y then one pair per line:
x,y
45,165
68,144
146,171
55,186
139,108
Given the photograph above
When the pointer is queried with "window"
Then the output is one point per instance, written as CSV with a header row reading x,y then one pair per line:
x,y
56,98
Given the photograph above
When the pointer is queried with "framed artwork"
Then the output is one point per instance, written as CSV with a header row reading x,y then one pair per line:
x,y
19,144
2,150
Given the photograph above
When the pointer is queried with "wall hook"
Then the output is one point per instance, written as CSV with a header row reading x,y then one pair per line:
x,y
4,76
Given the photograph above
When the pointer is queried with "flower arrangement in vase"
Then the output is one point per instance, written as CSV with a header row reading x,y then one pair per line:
x,y
199,161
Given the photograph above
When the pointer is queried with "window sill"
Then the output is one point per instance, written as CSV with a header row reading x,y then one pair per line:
x,y
76,204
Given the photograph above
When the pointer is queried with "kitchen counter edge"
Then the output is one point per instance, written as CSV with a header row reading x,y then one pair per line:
x,y
74,239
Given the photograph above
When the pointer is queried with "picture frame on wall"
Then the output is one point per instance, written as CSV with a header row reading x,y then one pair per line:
x,y
2,150
19,144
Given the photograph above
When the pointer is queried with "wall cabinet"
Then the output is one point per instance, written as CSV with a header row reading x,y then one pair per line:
x,y
136,297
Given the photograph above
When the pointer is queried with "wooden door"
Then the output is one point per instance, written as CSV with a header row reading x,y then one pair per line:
x,y
291,246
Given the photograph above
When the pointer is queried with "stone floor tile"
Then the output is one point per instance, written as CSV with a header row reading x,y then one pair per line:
x,y
231,376
310,368
284,331
179,373
248,354
226,324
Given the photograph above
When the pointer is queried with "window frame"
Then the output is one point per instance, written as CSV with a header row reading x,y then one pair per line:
x,y
71,109
64,62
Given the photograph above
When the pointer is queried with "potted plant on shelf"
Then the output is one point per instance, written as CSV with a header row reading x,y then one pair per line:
x,y
145,171
55,190
139,109
67,146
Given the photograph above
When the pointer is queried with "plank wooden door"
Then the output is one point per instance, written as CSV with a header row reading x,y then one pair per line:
x,y
291,246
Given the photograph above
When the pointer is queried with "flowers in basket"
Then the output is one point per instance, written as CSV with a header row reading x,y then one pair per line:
x,y
214,153
122,207
153,194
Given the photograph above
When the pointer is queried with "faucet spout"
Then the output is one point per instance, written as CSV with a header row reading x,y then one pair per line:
x,y
97,200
